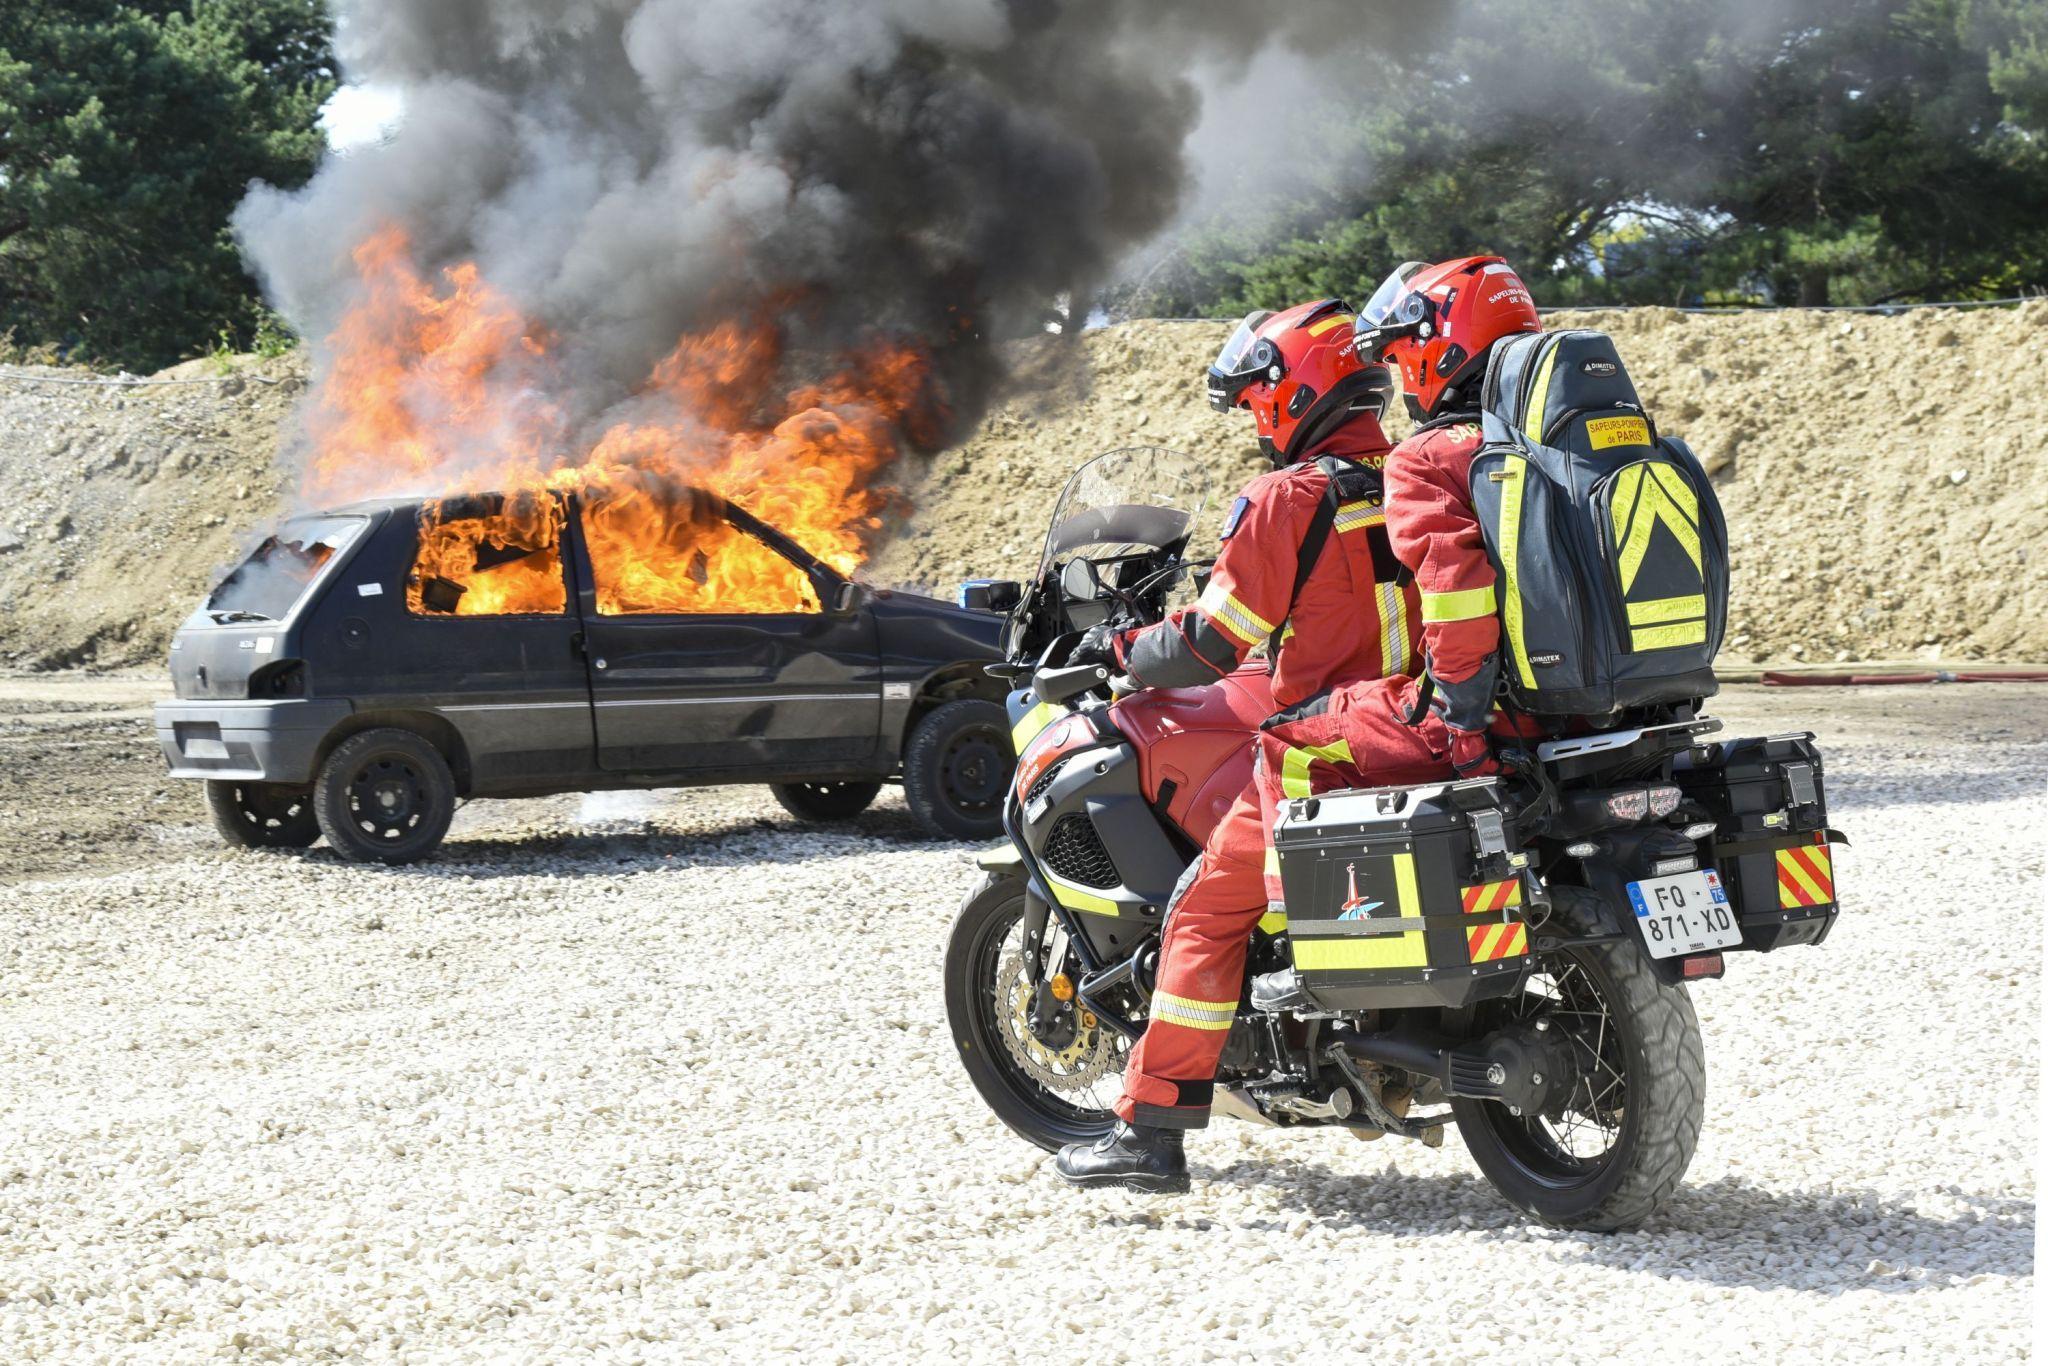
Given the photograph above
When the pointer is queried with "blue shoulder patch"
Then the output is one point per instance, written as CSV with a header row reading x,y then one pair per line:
x,y
1237,510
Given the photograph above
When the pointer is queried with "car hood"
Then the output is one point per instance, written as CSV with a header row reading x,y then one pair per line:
x,y
894,605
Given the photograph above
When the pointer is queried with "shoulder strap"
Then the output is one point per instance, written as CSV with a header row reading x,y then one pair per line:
x,y
1335,470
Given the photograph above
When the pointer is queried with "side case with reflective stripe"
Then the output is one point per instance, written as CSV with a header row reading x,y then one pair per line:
x,y
1396,900
1773,847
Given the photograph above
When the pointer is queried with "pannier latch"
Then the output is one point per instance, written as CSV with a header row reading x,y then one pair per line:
x,y
1490,838
1805,793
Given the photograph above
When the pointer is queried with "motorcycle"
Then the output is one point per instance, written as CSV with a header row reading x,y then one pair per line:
x,y
1525,980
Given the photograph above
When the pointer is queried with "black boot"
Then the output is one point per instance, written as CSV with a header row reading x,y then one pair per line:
x,y
1134,1156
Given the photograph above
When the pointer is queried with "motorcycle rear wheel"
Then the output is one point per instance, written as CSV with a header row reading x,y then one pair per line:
x,y
1646,1111
986,940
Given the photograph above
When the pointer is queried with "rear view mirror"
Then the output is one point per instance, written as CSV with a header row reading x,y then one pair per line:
x,y
990,595
1079,581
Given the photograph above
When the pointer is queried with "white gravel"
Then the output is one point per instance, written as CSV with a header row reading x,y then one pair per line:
x,y
684,1090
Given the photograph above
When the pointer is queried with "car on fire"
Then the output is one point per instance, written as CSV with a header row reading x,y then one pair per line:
x,y
367,669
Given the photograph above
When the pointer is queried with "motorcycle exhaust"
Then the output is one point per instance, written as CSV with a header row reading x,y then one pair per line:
x,y
1523,1069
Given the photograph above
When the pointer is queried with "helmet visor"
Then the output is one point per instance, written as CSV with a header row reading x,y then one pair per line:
x,y
1235,357
1384,309
1243,359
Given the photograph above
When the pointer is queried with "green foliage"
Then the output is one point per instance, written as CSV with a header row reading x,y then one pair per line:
x,y
128,133
1634,151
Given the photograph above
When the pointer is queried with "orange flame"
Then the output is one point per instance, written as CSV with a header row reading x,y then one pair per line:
x,y
444,388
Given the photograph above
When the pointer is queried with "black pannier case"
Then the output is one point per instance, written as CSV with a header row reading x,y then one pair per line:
x,y
1404,896
1773,848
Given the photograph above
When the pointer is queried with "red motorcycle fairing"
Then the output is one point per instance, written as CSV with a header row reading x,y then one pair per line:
x,y
1200,740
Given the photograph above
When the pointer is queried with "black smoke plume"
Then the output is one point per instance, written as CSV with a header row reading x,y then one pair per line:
x,y
631,171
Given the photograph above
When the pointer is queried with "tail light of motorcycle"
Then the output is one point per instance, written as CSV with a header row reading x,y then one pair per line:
x,y
1664,801
1631,805
1701,965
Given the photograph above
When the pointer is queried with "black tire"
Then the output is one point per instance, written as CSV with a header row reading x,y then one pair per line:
x,y
384,796
975,952
825,801
1664,1072
957,767
262,815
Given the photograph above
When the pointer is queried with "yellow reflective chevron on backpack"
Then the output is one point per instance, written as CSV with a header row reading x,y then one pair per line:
x,y
1668,606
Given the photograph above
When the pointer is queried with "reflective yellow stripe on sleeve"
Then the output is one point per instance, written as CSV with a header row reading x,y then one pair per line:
x,y
1463,605
1233,616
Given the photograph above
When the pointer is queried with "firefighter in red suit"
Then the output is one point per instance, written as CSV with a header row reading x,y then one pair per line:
x,y
1372,727
1345,616
1438,324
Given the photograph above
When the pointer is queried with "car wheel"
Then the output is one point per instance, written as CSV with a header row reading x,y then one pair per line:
x,y
384,796
263,815
956,769
825,801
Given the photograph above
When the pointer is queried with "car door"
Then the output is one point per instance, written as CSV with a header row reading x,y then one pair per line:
x,y
463,609
716,645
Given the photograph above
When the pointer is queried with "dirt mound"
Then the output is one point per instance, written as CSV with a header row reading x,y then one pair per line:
x,y
126,503
1885,478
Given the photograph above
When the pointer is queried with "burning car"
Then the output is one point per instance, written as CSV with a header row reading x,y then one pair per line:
x,y
366,669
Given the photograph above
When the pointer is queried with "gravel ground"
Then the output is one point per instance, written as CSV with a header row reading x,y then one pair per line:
x,y
667,1077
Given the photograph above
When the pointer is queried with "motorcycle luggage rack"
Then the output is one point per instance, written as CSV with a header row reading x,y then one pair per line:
x,y
1552,751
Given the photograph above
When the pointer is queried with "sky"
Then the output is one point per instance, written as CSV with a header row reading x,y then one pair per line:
x,y
359,114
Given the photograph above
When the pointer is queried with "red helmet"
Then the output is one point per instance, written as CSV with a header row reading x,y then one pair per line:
x,y
1438,323
1299,373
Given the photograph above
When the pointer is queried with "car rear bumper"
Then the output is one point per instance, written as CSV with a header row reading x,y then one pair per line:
x,y
274,742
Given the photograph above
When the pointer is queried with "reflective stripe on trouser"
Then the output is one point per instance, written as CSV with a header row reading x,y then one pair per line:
x,y
1353,736
1172,1070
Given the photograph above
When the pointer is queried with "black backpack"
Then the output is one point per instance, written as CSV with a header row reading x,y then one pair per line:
x,y
1607,538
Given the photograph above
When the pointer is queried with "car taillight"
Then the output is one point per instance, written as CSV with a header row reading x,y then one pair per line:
x,y
1629,806
1664,800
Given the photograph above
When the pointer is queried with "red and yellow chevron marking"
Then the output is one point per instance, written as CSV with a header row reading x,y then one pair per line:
x,y
1493,896
1491,942
1806,877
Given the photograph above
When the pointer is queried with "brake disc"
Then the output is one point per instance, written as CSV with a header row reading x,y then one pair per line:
x,y
1076,1067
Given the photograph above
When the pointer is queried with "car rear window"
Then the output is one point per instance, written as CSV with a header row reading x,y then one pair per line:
x,y
267,585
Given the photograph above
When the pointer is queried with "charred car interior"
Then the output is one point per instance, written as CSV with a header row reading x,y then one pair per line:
x,y
366,669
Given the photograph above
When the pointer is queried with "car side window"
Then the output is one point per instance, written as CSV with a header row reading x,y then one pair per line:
x,y
659,552
490,555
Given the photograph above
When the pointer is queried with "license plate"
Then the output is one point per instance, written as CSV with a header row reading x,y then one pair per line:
x,y
1684,913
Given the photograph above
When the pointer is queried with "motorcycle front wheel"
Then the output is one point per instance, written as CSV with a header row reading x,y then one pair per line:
x,y
1054,1086
1607,1156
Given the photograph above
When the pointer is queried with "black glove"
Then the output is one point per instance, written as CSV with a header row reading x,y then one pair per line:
x,y
1097,646
1468,705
